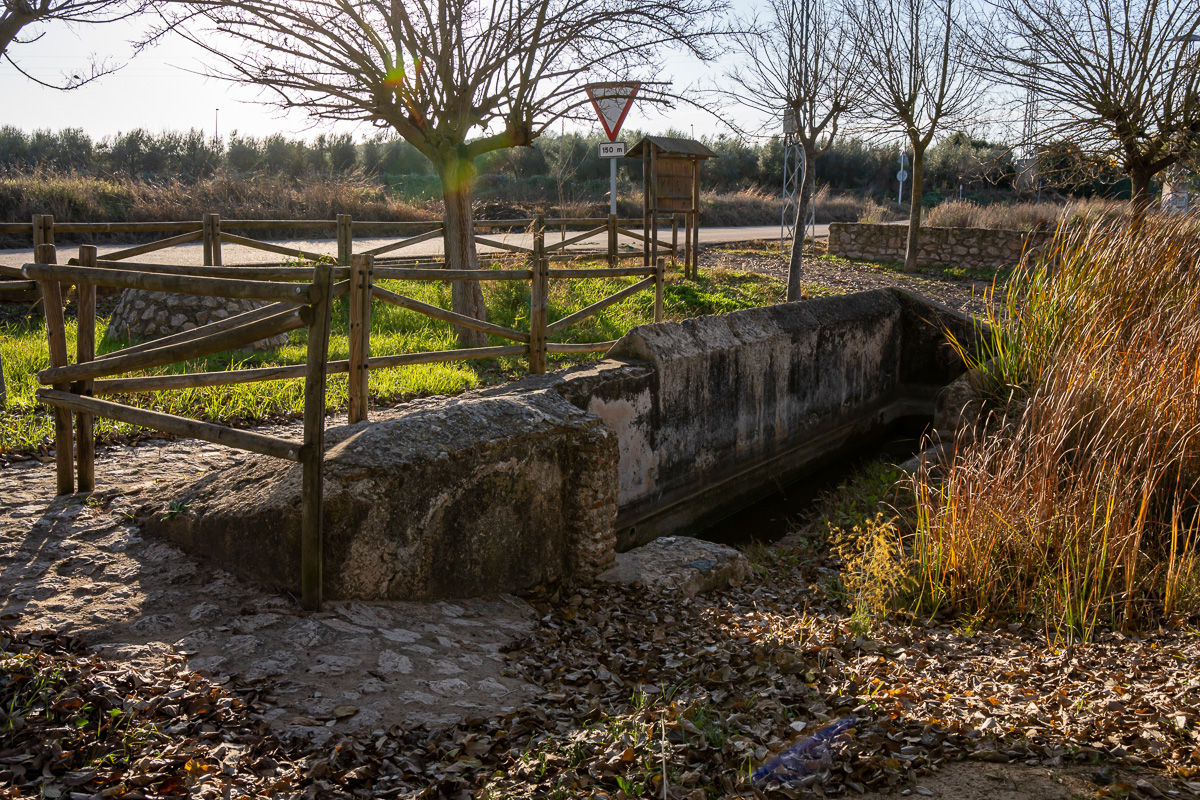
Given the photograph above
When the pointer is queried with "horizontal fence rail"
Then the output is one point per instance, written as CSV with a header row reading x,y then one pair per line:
x,y
213,232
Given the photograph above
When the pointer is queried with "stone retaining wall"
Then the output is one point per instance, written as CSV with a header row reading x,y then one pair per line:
x,y
143,316
968,248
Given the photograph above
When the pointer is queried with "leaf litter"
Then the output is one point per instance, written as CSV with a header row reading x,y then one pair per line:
x,y
644,694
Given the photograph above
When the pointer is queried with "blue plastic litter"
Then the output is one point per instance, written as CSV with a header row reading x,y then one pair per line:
x,y
806,757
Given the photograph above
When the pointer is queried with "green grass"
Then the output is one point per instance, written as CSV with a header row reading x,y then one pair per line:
x,y
25,426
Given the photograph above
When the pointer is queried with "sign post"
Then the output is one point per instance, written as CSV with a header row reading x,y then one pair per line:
x,y
902,176
612,102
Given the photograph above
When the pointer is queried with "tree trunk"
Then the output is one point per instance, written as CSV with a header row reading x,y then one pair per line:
x,y
459,238
914,214
1139,197
796,261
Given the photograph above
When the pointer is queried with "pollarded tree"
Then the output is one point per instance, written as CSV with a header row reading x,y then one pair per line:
x,y
800,61
456,78
922,76
1117,78
21,22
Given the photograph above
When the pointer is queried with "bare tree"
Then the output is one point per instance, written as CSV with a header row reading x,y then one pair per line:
x,y
456,78
1118,78
800,63
20,22
921,60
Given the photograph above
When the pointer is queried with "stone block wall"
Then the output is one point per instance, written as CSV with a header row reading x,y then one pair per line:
x,y
143,316
968,248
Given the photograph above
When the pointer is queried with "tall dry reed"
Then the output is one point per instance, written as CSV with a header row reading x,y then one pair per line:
x,y
1077,505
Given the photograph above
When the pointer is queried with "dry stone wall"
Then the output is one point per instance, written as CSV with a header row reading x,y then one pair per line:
x,y
968,248
144,316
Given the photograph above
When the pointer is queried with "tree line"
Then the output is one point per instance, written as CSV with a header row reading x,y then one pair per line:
x,y
976,166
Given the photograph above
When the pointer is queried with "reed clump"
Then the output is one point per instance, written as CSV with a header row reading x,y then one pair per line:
x,y
1077,504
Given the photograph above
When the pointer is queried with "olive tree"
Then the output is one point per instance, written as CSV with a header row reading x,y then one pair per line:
x,y
798,62
921,59
1118,78
456,78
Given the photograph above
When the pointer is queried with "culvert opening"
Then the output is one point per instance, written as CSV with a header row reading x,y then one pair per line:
x,y
772,517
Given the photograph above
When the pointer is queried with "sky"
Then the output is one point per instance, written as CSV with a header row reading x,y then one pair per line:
x,y
164,89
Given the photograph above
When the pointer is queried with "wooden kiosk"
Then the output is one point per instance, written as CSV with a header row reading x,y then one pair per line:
x,y
671,185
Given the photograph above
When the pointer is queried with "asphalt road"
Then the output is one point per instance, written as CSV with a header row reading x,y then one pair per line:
x,y
191,254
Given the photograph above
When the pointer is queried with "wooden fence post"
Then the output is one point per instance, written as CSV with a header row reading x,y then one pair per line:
x,y
345,239
674,239
43,230
212,240
312,452
660,268
539,238
613,247
539,306
85,350
361,269
43,233
56,337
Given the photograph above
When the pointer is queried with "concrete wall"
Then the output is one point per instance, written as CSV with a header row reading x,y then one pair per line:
x,y
969,248
544,479
714,413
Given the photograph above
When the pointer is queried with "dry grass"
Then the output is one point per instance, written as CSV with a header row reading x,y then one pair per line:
x,y
1021,216
82,198
1079,505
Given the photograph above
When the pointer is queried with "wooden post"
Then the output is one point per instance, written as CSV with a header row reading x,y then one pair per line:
x,y
613,247
674,239
212,240
85,350
539,305
646,204
345,239
539,238
696,218
43,233
56,337
660,268
312,452
43,230
361,269
652,233
687,244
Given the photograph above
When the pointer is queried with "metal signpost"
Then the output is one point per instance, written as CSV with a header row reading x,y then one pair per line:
x,y
902,176
612,102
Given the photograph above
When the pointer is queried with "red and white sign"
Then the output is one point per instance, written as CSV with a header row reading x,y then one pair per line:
x,y
612,102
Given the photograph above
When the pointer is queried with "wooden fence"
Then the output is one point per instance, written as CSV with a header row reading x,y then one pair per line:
x,y
296,297
213,232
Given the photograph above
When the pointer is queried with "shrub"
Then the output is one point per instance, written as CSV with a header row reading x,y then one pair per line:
x,y
1079,503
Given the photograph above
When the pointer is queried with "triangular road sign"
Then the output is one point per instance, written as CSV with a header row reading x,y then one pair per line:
x,y
612,102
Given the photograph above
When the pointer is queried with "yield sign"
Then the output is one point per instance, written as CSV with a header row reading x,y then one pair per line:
x,y
612,102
